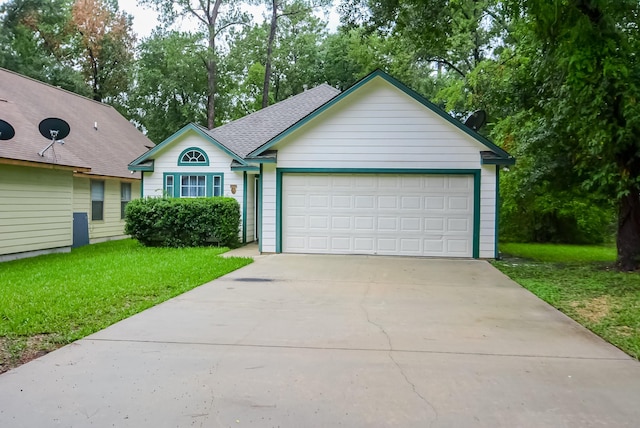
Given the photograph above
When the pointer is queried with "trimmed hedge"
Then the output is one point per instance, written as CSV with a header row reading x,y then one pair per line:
x,y
186,222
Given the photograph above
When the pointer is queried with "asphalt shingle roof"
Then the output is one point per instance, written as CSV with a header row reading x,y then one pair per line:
x,y
250,132
107,150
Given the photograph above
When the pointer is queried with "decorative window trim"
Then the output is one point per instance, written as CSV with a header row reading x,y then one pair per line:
x,y
211,187
182,162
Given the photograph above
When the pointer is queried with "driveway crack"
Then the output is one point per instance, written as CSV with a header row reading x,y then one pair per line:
x,y
393,360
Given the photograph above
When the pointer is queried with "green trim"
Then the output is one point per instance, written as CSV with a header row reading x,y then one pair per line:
x,y
399,85
245,168
177,182
497,219
244,207
193,149
259,219
278,211
142,168
186,129
476,173
501,161
142,185
476,214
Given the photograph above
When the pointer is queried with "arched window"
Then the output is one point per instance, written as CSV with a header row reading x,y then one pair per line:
x,y
193,156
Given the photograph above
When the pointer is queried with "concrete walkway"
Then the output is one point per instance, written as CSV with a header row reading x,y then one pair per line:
x,y
326,341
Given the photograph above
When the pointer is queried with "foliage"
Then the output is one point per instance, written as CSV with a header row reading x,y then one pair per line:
x,y
585,71
184,222
214,19
170,88
104,42
68,296
35,40
601,299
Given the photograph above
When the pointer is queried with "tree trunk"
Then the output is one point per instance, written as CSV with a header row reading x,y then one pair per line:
x,y
267,66
628,240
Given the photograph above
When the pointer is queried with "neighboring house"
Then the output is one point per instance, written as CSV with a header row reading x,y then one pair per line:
x,y
75,193
376,169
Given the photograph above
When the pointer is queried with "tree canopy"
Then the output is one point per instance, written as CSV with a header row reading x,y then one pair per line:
x,y
559,80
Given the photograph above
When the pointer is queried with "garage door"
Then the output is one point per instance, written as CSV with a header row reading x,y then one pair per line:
x,y
414,215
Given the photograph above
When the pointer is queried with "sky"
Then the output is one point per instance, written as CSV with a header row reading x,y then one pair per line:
x,y
145,19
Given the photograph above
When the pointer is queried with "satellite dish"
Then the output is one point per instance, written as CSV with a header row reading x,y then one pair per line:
x,y
476,120
6,130
54,128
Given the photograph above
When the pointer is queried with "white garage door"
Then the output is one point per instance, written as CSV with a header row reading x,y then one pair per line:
x,y
415,215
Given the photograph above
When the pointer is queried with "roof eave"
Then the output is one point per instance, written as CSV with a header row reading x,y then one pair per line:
x,y
190,127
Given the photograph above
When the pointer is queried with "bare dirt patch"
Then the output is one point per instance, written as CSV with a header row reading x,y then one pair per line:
x,y
593,310
17,351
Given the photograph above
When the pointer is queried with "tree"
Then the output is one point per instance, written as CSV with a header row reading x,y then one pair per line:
x,y
105,46
456,35
35,39
586,64
170,89
281,9
215,17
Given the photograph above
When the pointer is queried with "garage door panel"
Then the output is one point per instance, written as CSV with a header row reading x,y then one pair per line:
x,y
388,224
362,244
319,222
387,202
341,201
423,215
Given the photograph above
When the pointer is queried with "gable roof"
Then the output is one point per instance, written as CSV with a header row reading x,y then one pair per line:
x,y
501,158
104,151
241,136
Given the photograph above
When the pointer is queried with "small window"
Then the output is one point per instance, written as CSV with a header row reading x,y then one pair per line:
x,y
125,197
97,200
168,186
217,185
193,156
193,186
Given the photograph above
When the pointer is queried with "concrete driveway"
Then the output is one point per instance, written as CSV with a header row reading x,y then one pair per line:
x,y
326,341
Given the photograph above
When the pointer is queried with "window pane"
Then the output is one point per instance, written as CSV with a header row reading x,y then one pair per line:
x,y
97,199
217,188
97,190
96,210
193,156
168,188
125,191
193,186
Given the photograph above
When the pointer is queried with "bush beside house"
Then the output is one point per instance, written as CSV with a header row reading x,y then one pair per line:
x,y
184,222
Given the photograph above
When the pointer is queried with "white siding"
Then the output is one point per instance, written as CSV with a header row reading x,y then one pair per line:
x,y
36,209
268,242
380,127
219,162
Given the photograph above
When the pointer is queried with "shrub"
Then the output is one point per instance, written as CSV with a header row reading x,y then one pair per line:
x,y
188,222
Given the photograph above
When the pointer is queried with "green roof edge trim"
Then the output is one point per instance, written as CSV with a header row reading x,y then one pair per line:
x,y
401,86
187,128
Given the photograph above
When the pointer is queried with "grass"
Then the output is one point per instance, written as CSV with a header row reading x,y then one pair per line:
x,y
581,282
561,253
52,300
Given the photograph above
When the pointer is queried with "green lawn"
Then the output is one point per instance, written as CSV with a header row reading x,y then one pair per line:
x,y
581,282
561,253
52,300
